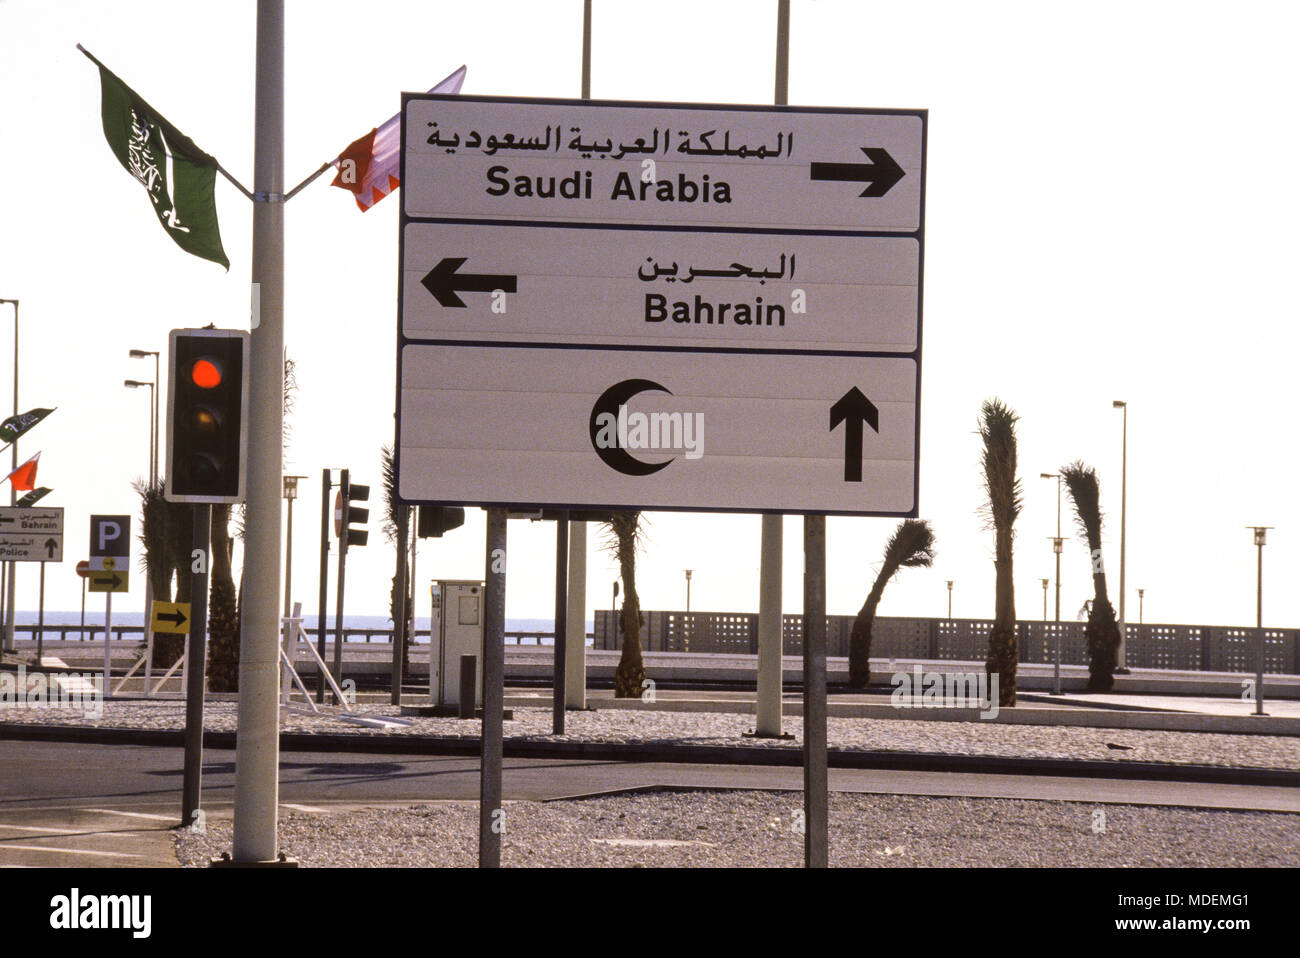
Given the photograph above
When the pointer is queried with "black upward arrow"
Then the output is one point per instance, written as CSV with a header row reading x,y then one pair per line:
x,y
854,409
176,617
882,172
444,282
50,545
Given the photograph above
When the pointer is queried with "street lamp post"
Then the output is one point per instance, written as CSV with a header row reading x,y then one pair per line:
x,y
1123,526
1260,532
687,630
8,634
1057,477
1046,583
1058,544
950,600
148,582
1141,592
154,450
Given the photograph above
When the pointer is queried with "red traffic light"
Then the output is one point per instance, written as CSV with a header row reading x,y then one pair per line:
x,y
206,373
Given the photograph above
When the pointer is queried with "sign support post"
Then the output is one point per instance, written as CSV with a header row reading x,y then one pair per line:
x,y
492,820
560,646
196,653
816,846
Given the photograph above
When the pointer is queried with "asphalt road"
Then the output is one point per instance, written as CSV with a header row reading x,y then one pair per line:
x,y
53,775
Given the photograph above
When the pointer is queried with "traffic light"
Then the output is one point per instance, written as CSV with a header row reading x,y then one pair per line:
x,y
433,521
207,415
351,493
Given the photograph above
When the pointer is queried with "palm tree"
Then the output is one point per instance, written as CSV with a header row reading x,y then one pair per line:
x,y
624,534
155,512
397,528
223,606
1005,497
911,546
1102,629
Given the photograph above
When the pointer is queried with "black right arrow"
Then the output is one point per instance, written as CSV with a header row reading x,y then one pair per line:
x,y
444,282
854,409
114,581
882,172
176,617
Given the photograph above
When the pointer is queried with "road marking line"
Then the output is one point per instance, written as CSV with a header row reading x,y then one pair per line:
x,y
36,828
69,851
302,808
110,811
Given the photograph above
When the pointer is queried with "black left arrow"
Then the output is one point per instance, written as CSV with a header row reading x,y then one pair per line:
x,y
882,172
50,546
175,618
444,282
854,410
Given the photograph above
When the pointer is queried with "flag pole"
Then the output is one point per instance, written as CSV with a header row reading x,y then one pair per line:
x,y
307,182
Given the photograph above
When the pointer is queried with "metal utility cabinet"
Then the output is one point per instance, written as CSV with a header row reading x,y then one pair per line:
x,y
456,629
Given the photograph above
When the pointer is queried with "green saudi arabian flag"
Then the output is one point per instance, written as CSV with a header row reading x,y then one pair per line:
x,y
179,177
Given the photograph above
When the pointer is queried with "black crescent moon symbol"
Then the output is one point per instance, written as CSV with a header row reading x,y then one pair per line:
x,y
616,457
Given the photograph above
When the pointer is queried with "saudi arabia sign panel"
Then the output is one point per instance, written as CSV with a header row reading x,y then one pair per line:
x,y
662,164
658,430
669,306
699,289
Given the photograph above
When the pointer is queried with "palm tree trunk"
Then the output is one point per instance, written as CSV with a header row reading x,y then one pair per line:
x,y
1004,651
860,637
629,678
1102,634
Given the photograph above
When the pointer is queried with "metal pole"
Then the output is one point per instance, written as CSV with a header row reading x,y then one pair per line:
x,y
1123,541
257,750
194,669
344,490
157,390
559,651
108,636
575,650
767,720
1058,554
40,620
1259,627
83,608
324,579
13,498
816,843
491,817
288,556
586,49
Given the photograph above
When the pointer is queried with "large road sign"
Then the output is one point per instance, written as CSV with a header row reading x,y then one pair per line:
x,y
701,289
579,279
648,429
566,161
31,534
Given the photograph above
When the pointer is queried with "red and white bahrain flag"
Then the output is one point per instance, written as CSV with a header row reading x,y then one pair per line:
x,y
369,166
24,477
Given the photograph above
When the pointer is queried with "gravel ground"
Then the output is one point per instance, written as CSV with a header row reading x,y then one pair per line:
x,y
757,829
715,728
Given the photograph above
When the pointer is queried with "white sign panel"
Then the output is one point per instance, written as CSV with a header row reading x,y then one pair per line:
x,y
658,430
700,290
563,161
31,534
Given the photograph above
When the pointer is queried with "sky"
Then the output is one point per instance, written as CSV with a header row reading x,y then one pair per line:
x,y
1110,215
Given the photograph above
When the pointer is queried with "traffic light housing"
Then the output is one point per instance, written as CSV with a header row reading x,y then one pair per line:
x,y
433,521
352,493
207,415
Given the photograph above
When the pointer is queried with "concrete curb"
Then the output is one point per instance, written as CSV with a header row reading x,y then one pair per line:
x,y
788,755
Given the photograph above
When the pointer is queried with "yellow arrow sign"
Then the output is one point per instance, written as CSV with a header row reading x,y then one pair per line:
x,y
116,581
171,617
